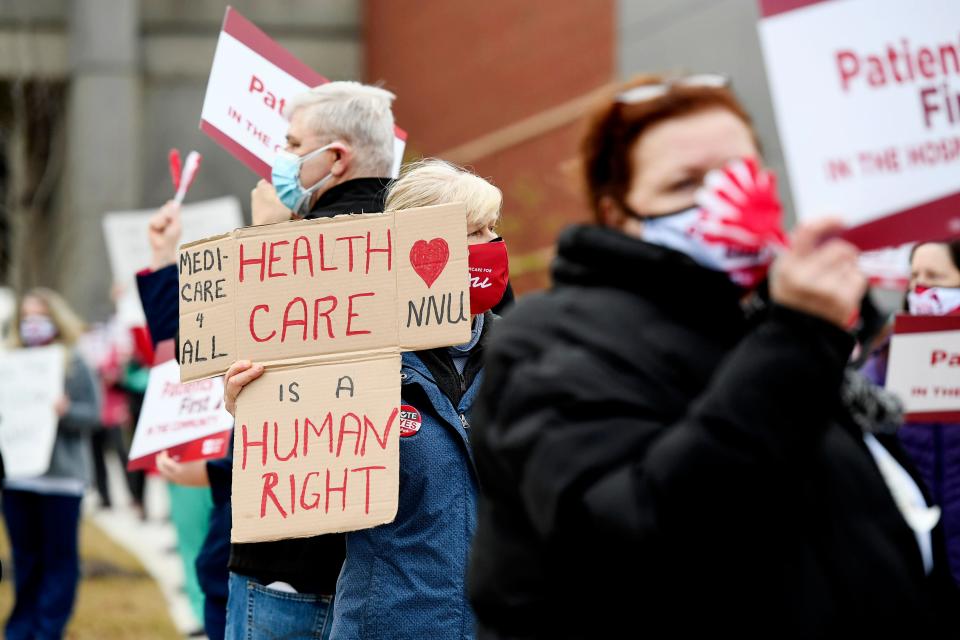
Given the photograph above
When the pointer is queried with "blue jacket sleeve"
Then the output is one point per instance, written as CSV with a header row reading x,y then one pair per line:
x,y
220,473
158,294
81,388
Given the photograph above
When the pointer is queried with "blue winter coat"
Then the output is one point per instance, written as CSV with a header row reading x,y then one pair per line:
x,y
406,579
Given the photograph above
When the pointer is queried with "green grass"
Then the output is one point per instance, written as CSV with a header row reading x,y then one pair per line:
x,y
117,599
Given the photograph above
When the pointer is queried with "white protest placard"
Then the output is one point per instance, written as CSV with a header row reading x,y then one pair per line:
x,y
128,245
867,102
187,420
8,305
888,268
924,367
31,382
251,79
327,306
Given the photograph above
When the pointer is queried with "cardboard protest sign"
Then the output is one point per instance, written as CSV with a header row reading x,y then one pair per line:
x,y
867,101
251,80
187,420
317,450
31,382
924,367
327,305
128,245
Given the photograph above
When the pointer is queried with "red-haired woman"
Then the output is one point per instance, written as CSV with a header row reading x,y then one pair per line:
x,y
42,513
663,448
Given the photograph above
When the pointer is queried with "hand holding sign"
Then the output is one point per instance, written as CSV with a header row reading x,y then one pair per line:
x,y
165,230
61,406
192,473
819,278
265,206
239,375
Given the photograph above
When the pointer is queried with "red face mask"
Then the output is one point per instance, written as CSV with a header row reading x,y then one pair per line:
x,y
489,271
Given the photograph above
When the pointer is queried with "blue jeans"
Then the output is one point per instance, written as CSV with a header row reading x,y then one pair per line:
x,y
257,613
43,533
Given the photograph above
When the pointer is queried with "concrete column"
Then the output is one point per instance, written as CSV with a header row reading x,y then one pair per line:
x,y
103,131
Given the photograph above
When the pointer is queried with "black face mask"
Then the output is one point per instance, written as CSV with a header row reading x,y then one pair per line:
x,y
645,217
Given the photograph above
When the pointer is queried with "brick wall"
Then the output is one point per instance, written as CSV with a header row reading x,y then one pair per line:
x,y
464,70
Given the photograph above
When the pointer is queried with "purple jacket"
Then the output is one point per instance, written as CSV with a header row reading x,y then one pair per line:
x,y
935,451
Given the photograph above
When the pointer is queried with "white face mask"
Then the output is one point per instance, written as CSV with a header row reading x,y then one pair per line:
x,y
933,301
681,232
36,331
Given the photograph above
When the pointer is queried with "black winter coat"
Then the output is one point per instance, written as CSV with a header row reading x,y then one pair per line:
x,y
654,463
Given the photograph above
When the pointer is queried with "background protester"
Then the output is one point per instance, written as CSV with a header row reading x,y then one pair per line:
x,y
42,514
136,375
107,349
652,420
338,156
191,508
934,447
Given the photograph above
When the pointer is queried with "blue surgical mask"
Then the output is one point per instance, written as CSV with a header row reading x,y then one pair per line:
x,y
286,178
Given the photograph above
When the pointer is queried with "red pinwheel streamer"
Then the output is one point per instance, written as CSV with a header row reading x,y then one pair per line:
x,y
183,174
174,159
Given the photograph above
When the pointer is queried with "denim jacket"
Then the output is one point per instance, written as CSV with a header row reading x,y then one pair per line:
x,y
406,579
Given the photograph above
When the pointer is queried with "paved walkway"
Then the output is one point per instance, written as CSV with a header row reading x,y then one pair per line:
x,y
152,542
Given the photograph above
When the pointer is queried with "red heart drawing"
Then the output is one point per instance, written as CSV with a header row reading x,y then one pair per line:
x,y
429,258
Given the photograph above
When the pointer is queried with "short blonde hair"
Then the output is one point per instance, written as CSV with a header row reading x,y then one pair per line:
x,y
69,325
432,181
358,114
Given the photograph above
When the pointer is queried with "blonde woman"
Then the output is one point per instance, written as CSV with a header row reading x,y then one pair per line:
x,y
42,514
406,579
